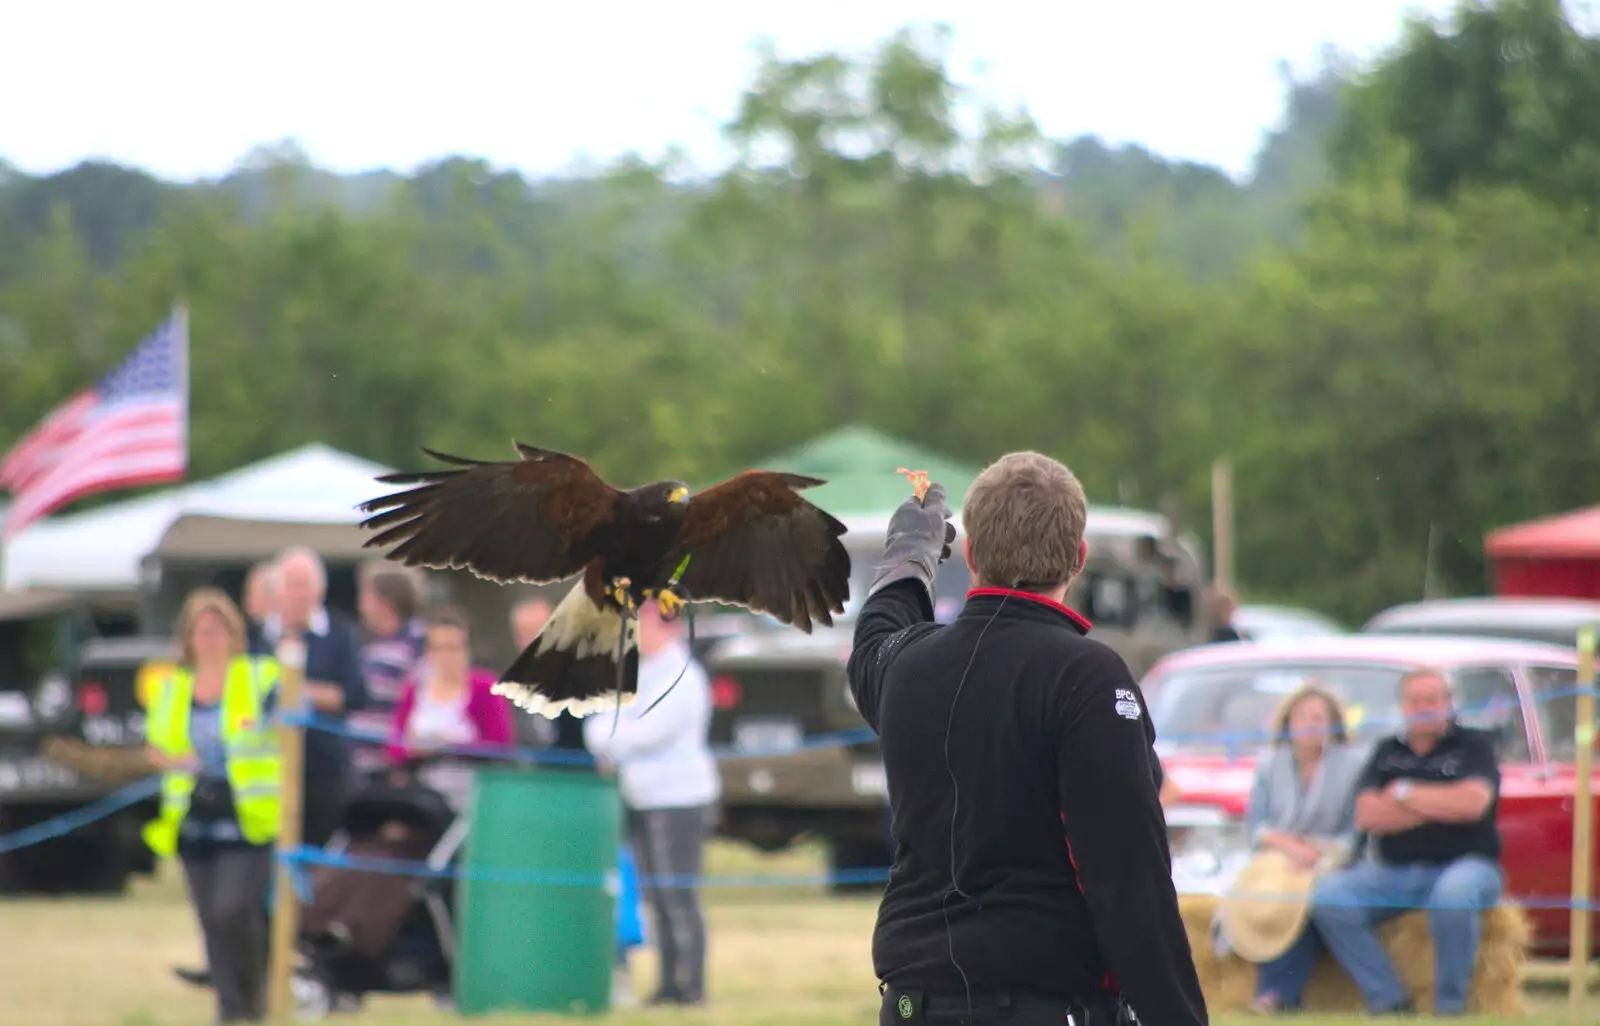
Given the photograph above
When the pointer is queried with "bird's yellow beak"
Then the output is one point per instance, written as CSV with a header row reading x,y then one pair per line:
x,y
677,495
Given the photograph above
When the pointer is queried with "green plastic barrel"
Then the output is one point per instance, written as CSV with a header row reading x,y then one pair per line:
x,y
527,944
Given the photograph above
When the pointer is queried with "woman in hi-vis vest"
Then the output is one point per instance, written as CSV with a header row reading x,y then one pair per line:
x,y
209,730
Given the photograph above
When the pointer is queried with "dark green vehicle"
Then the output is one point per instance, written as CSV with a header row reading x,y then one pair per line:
x,y
773,687
55,682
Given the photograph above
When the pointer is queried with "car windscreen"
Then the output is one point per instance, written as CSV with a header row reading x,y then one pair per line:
x,y
1231,708
1555,694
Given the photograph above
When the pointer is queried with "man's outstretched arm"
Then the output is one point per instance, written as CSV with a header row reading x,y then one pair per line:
x,y
899,605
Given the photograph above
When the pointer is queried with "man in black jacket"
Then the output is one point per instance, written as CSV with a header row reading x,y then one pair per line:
x,y
1032,879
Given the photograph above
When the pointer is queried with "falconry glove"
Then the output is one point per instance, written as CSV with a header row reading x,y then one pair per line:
x,y
920,536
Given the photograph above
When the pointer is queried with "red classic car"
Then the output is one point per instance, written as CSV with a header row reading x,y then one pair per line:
x,y
1212,707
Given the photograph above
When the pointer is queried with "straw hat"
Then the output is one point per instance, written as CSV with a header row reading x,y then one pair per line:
x,y
1267,907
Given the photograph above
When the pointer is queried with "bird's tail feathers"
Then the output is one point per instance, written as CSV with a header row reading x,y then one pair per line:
x,y
572,665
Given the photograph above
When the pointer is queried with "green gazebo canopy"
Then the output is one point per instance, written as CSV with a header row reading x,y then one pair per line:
x,y
859,464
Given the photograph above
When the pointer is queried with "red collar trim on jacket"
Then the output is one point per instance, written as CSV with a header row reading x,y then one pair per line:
x,y
1043,600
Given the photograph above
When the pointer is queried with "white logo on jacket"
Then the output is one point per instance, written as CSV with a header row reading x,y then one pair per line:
x,y
1127,704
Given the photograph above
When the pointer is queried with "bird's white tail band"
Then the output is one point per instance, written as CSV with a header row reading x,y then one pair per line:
x,y
528,699
583,631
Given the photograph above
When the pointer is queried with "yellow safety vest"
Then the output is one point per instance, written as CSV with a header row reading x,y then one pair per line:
x,y
255,770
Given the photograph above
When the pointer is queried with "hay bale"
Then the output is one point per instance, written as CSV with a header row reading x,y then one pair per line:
x,y
1230,984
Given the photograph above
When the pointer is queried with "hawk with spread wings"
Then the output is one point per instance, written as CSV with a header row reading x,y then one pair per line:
x,y
751,541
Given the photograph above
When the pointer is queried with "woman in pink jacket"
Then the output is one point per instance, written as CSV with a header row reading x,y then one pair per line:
x,y
448,703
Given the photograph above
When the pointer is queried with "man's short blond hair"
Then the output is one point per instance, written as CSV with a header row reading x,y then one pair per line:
x,y
1024,518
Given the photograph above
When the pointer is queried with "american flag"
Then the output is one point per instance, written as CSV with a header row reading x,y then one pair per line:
x,y
130,429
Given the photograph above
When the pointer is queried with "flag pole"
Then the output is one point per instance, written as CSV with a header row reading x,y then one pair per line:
x,y
1222,525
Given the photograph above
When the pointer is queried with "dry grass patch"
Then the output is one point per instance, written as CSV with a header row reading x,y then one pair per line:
x,y
779,957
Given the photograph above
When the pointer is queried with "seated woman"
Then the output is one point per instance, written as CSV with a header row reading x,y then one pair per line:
x,y
448,703
1303,804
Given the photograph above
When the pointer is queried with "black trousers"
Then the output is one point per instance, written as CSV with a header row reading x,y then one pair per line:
x,y
668,843
322,807
913,1007
228,887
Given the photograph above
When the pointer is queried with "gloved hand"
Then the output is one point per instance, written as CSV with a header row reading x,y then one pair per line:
x,y
920,536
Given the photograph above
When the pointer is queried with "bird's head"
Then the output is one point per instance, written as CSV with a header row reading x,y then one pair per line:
x,y
664,498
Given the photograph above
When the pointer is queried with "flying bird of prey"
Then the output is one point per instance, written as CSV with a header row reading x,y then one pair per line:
x,y
751,541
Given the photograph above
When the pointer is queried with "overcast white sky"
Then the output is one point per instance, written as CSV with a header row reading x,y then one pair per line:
x,y
184,88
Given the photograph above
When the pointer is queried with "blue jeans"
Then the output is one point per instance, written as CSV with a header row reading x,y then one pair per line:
x,y
1348,904
1285,977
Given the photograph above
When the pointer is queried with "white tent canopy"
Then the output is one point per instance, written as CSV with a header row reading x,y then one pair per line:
x,y
307,495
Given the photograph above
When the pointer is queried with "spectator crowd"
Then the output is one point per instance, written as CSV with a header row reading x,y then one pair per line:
x,y
397,697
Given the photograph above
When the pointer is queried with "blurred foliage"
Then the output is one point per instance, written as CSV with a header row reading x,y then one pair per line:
x,y
1391,339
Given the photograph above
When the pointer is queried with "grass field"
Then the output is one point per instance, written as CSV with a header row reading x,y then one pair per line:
x,y
779,958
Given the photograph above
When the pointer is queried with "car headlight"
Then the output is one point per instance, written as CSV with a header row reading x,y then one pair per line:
x,y
52,699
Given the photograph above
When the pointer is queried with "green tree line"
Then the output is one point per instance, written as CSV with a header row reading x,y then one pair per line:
x,y
1389,335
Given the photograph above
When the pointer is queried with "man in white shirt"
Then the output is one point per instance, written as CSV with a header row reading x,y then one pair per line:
x,y
669,783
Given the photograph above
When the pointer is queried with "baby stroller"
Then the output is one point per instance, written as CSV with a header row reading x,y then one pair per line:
x,y
365,931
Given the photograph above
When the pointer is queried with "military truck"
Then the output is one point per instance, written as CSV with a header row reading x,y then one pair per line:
x,y
772,687
58,680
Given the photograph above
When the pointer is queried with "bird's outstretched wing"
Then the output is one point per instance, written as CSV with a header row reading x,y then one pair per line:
x,y
537,519
753,541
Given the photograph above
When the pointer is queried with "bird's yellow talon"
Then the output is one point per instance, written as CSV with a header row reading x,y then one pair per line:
x,y
618,593
669,604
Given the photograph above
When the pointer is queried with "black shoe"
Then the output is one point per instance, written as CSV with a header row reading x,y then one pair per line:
x,y
1405,1007
674,998
193,977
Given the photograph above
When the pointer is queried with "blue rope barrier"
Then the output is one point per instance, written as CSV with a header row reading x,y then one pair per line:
x,y
575,879
553,878
66,823
118,800
567,757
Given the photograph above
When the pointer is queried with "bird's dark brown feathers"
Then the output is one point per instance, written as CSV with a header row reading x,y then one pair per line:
x,y
753,541
536,519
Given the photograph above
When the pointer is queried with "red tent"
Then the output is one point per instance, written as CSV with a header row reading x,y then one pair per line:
x,y
1555,556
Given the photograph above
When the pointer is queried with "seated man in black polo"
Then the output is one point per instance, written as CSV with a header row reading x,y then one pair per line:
x,y
1427,797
